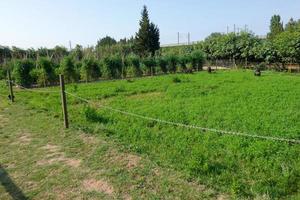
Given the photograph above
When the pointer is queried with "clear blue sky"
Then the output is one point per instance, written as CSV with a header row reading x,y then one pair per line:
x,y
36,23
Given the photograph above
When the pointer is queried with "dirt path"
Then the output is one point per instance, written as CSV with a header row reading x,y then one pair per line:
x,y
41,160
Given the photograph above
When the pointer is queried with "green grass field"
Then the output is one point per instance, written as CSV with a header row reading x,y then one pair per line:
x,y
228,100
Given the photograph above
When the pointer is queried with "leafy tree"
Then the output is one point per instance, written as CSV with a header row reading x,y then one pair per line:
x,y
288,46
106,41
90,69
245,45
147,38
21,72
291,25
276,26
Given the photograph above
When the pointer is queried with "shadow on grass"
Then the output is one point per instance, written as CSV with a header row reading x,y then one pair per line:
x,y
14,191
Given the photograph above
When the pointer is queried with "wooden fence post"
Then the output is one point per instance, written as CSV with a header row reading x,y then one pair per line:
x,y
11,93
63,100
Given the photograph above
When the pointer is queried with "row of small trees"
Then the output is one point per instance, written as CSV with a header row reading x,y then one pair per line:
x,y
44,71
281,46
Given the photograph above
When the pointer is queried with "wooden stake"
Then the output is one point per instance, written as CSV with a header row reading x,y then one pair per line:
x,y
63,100
11,93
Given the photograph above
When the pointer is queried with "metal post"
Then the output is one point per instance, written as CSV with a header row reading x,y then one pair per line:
x,y
63,100
11,93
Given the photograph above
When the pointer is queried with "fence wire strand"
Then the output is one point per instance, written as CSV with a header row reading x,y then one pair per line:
x,y
224,132
33,90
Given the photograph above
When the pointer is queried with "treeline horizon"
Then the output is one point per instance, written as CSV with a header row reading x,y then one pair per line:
x,y
142,55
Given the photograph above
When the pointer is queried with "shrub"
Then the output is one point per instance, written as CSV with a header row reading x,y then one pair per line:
x,y
183,60
92,115
197,59
134,62
150,63
261,66
113,66
67,68
89,70
163,64
21,72
44,74
172,62
176,79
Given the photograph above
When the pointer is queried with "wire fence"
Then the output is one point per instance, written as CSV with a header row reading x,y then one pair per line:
x,y
186,125
177,124
33,90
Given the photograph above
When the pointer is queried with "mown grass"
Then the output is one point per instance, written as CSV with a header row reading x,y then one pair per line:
x,y
228,100
41,160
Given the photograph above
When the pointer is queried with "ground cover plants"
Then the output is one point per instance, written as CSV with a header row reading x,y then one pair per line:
x,y
228,100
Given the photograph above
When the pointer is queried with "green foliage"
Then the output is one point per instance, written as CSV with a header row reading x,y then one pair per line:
x,y
162,62
150,64
176,79
198,59
147,38
172,62
91,115
21,72
276,26
77,53
183,60
90,69
135,65
106,41
67,68
287,45
2,73
44,74
113,66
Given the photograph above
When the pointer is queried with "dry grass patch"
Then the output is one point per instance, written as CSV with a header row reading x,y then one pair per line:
x,y
88,139
127,160
51,148
55,156
98,186
25,139
3,121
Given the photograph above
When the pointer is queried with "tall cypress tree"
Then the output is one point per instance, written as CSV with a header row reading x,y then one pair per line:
x,y
153,39
147,38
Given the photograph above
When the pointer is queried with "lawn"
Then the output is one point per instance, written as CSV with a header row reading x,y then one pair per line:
x,y
243,167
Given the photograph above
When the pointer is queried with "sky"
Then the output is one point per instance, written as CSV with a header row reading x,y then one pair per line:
x,y
47,23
